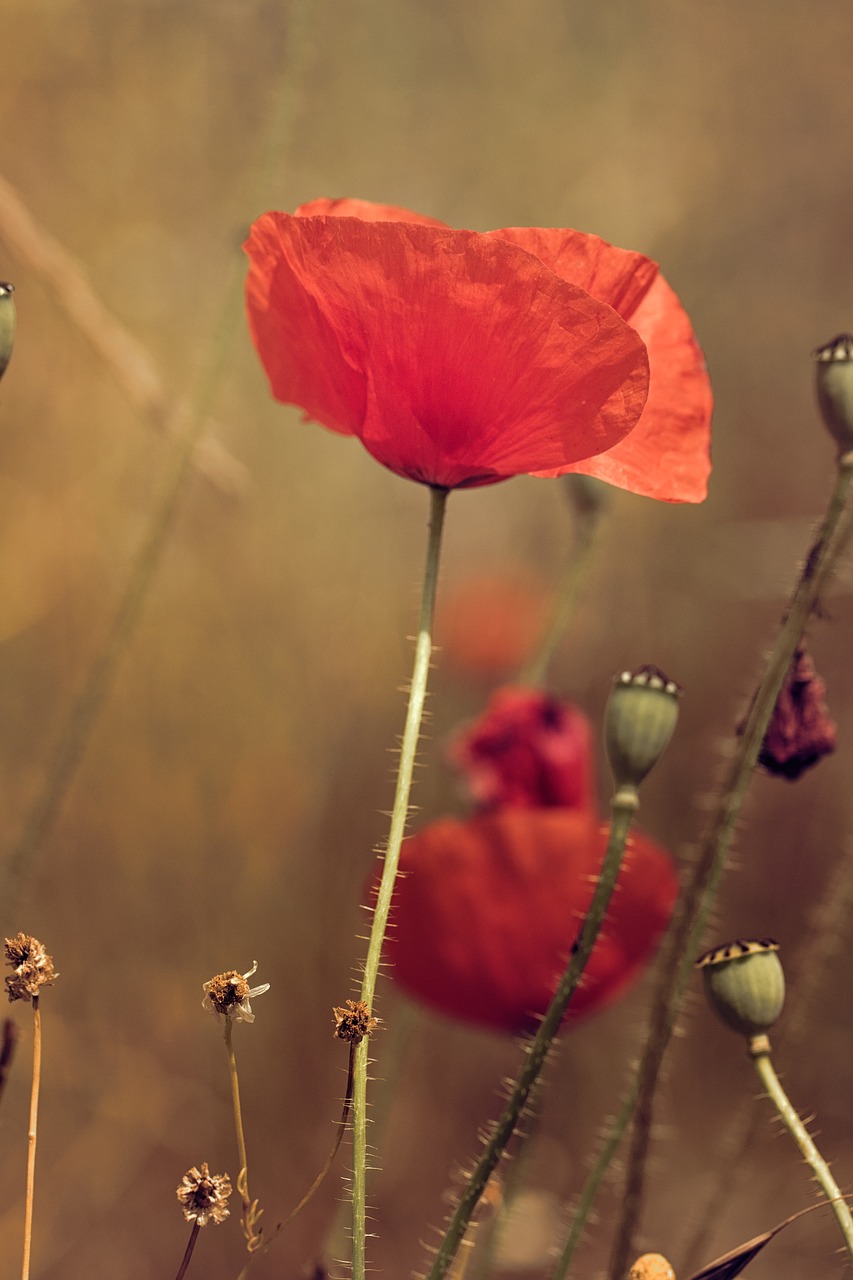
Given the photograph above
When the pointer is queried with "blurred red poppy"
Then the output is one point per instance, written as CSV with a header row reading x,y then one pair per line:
x,y
527,749
487,910
488,623
460,358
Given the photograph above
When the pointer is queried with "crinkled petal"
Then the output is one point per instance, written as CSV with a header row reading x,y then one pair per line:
x,y
364,209
487,911
455,357
667,455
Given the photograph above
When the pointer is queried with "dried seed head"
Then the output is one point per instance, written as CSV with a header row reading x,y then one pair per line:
x,y
228,995
32,967
652,1266
745,983
801,730
639,721
834,386
204,1195
354,1022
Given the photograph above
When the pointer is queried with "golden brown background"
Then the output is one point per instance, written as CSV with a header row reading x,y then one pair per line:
x,y
236,738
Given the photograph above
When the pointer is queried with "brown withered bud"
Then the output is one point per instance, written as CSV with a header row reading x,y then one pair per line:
x,y
32,967
800,730
354,1022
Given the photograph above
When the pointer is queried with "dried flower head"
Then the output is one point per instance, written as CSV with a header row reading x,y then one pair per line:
x,y
801,730
32,967
204,1195
354,1022
228,995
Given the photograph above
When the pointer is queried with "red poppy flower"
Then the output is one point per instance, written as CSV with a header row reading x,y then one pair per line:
x,y
487,911
527,749
460,358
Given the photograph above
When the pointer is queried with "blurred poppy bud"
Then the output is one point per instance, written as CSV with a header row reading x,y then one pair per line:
x,y
640,718
745,983
7,324
834,385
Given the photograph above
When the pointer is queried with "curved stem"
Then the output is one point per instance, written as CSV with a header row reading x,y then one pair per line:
x,y
624,805
250,1212
188,1252
760,1053
31,1140
694,908
399,815
588,522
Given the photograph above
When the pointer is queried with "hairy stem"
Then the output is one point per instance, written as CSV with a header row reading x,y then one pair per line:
x,y
623,806
399,815
760,1053
696,903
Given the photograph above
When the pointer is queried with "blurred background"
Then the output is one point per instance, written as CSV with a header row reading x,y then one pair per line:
x,y
203,646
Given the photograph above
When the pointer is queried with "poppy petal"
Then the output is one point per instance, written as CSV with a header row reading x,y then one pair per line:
x,y
456,358
487,911
667,455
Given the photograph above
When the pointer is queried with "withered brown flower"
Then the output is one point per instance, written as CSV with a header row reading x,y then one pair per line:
x,y
801,731
354,1022
32,967
204,1195
228,995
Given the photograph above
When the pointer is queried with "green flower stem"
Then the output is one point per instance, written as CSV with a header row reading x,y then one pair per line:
x,y
399,815
623,807
31,1141
250,1210
535,670
694,908
759,1050
188,1252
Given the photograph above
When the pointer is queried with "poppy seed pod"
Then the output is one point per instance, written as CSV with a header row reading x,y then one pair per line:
x,y
745,983
834,385
639,720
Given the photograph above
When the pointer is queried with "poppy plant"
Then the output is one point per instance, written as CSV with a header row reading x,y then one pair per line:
x,y
461,358
487,911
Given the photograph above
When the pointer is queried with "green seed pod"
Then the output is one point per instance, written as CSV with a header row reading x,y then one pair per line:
x,y
7,324
745,984
639,721
834,386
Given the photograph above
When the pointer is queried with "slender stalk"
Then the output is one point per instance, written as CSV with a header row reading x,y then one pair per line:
x,y
399,815
188,1252
696,903
31,1140
623,807
759,1050
250,1209
588,523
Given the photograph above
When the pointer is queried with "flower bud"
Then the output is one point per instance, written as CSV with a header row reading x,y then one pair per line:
x,y
639,721
745,983
834,385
